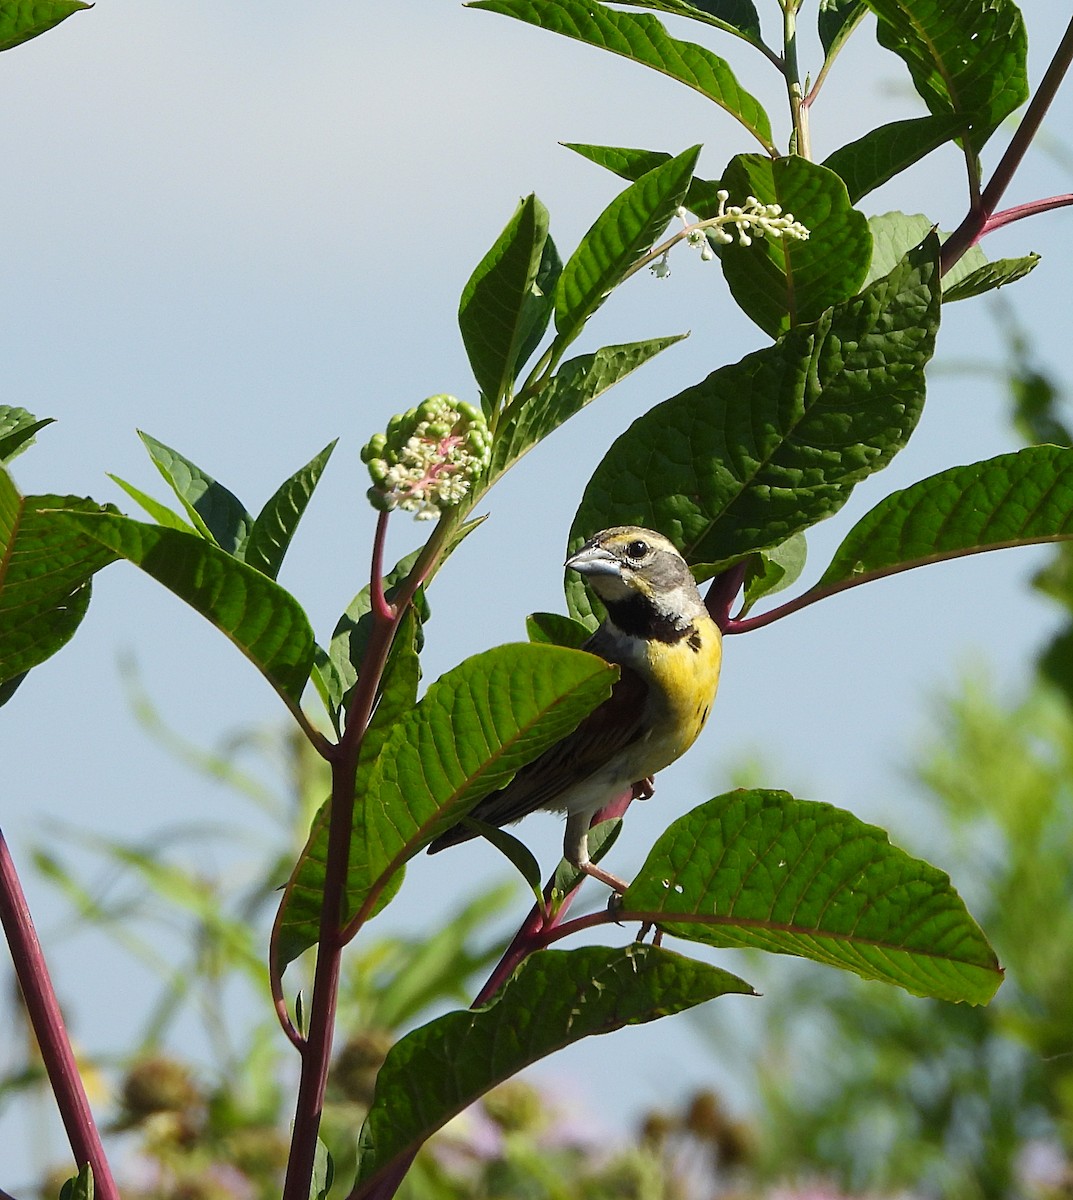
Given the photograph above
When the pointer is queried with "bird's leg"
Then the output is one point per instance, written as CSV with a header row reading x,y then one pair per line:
x,y
576,851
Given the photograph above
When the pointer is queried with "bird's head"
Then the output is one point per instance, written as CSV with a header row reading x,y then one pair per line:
x,y
639,571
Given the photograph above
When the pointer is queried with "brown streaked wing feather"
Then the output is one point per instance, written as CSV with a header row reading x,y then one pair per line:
x,y
606,731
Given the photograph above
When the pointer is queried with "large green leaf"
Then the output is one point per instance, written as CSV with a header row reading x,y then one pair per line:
x,y
623,232
265,622
780,282
274,528
17,429
765,870
575,384
21,20
702,195
428,764
887,150
768,446
297,924
1016,499
472,731
45,572
967,57
493,308
216,513
642,39
554,999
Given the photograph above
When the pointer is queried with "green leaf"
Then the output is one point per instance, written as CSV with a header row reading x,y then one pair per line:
x,y
701,196
516,852
265,622
732,16
990,276
17,428
779,282
45,573
893,235
80,1186
835,21
762,869
623,232
9,687
554,999
216,513
271,534
770,571
297,924
494,305
159,512
888,150
576,383
642,39
1016,499
21,20
556,630
768,446
966,58
472,731
323,1173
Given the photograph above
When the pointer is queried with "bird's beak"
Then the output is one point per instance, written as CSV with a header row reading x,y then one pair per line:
x,y
594,560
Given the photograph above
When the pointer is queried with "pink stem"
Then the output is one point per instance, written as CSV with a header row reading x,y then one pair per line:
x,y
333,935
1029,209
46,1018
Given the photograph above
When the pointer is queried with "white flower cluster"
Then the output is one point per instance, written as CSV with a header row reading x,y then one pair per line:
x,y
751,219
429,457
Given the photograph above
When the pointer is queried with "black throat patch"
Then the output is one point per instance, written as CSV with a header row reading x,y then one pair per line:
x,y
637,617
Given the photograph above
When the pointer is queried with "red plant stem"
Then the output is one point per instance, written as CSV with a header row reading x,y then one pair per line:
x,y
977,221
317,1047
524,942
722,592
47,1020
1028,209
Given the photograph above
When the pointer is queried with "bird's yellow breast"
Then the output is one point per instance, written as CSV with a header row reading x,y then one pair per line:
x,y
683,677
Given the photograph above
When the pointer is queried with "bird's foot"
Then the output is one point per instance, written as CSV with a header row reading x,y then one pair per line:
x,y
644,789
618,886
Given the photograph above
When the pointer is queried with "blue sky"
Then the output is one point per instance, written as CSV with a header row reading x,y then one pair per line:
x,y
247,235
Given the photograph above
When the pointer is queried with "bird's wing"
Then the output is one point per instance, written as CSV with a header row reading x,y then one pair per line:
x,y
603,734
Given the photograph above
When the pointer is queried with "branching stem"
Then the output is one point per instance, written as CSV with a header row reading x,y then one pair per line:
x,y
981,217
333,936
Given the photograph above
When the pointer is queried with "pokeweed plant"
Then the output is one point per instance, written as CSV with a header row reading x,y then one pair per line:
x,y
734,468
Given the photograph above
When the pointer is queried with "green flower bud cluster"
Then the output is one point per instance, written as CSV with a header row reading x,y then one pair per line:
x,y
429,457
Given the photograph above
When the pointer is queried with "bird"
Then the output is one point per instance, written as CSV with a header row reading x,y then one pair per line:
x,y
668,650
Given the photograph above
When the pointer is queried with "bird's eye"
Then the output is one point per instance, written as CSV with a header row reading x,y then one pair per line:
x,y
637,550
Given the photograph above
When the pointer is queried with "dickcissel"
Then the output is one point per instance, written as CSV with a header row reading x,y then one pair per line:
x,y
669,651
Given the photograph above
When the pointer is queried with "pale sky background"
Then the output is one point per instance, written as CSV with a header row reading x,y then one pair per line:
x,y
246,233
